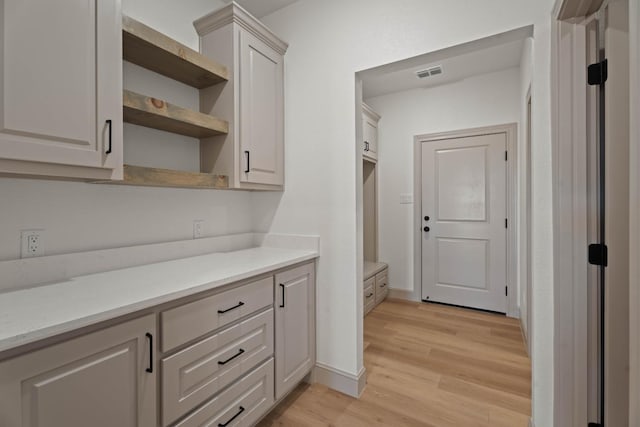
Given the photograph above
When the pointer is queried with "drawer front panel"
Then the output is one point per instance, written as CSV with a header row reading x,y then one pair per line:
x,y
369,296
190,321
196,373
382,286
247,400
369,283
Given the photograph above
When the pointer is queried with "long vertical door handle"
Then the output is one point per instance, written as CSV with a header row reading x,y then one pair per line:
x,y
248,169
110,124
282,286
150,368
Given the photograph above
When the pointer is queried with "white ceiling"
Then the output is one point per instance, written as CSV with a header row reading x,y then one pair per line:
x,y
488,55
260,8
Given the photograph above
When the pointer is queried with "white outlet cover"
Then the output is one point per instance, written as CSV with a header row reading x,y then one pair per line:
x,y
32,243
198,229
406,199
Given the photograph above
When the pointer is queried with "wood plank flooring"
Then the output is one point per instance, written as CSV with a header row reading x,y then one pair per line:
x,y
427,365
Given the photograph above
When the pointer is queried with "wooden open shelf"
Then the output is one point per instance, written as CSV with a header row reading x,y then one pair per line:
x,y
158,114
154,51
155,177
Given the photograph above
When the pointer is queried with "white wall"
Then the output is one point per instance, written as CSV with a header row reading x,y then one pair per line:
x,y
79,216
485,100
329,42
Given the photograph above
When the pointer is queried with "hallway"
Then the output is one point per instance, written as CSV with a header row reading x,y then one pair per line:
x,y
427,365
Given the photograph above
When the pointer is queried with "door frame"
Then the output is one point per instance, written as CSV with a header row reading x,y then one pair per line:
x,y
511,132
634,218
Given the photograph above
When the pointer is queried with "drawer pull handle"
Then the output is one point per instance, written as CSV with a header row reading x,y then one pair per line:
x,y
150,368
370,295
240,304
110,124
282,286
231,358
240,410
383,285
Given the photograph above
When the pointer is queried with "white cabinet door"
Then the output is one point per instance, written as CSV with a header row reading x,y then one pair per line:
x,y
369,132
61,85
295,326
97,380
261,113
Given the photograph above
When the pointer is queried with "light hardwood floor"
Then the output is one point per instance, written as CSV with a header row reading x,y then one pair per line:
x,y
427,365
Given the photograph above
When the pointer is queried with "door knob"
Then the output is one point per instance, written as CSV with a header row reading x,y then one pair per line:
x,y
426,218
427,229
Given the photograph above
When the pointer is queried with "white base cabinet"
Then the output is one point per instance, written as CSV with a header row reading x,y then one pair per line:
x,y
375,285
103,379
223,357
295,327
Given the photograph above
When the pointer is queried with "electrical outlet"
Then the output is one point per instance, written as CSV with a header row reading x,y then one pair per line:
x,y
198,229
32,243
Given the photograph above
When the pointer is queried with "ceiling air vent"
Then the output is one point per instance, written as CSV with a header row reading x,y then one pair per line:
x,y
433,71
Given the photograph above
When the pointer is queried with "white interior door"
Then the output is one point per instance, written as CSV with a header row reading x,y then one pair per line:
x,y
464,221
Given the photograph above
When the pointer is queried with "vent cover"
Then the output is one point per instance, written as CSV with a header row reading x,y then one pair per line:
x,y
429,72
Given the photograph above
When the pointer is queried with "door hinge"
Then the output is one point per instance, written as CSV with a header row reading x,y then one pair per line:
x,y
506,291
598,254
597,73
506,156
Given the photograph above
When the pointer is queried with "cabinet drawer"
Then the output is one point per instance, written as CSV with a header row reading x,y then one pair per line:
x,y
196,373
382,286
185,323
247,401
369,296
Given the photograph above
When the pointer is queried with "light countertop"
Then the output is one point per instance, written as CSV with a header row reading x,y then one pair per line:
x,y
29,315
373,268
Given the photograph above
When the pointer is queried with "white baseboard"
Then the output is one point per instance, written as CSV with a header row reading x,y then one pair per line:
x,y
344,382
403,294
531,423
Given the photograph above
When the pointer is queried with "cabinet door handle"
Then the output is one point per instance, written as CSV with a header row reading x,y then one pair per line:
x,y
248,169
224,362
370,295
366,146
282,286
150,368
240,410
240,304
110,124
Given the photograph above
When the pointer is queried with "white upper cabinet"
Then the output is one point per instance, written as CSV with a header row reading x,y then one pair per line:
x,y
261,109
252,153
61,88
369,133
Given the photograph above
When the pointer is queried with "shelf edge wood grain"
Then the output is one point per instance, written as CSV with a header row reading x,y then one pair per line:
x,y
156,177
158,114
148,48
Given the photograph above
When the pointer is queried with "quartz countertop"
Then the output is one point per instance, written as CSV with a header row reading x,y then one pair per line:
x,y
32,314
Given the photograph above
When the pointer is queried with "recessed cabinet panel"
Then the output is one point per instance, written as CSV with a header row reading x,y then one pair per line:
x,y
261,106
61,75
99,380
196,373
